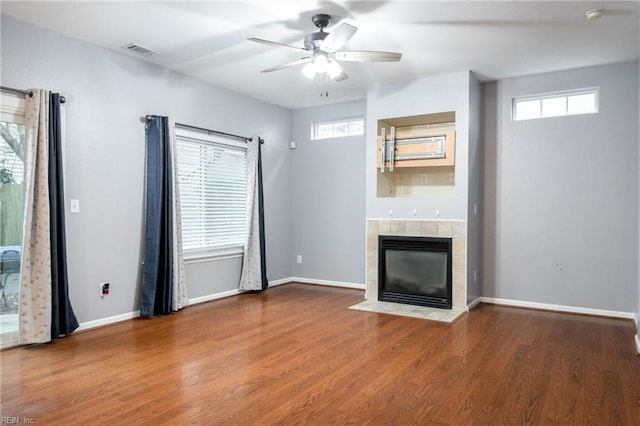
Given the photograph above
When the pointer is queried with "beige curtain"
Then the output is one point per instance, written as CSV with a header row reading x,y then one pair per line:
x,y
179,297
35,273
251,276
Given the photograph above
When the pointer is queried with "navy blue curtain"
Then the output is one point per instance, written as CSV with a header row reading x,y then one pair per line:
x,y
263,259
157,274
63,320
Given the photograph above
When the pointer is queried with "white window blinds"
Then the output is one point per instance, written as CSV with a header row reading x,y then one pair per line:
x,y
212,176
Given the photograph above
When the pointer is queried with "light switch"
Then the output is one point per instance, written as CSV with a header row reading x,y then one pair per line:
x,y
74,206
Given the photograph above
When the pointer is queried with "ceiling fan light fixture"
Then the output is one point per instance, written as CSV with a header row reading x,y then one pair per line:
x,y
320,64
322,50
309,70
594,14
333,69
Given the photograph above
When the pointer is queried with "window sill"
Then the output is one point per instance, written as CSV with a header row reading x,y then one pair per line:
x,y
219,254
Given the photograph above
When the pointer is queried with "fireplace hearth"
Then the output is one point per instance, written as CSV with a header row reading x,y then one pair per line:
x,y
415,270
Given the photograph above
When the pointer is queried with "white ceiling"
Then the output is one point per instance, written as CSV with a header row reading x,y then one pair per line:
x,y
207,40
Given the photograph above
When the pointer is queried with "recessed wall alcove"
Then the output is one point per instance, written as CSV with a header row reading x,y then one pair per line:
x,y
418,171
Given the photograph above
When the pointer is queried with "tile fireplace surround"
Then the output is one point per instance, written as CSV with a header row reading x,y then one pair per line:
x,y
454,229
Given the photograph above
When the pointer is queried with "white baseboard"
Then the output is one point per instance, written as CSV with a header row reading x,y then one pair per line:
x,y
559,308
87,325
229,293
637,339
328,283
214,296
108,320
475,303
279,282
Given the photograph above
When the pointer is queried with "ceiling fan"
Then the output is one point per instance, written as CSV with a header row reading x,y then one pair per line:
x,y
322,50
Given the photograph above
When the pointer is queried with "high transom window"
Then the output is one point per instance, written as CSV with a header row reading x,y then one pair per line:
x,y
337,128
556,104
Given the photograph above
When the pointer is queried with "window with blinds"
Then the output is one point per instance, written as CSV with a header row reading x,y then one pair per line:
x,y
212,178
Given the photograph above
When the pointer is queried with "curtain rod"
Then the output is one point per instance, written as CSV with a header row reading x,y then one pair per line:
x,y
212,132
208,131
25,93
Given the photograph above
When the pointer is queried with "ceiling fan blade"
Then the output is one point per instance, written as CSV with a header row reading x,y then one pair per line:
x,y
368,56
276,44
342,76
338,37
289,64
336,72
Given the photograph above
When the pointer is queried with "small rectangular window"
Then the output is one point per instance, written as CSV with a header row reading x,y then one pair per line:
x,y
337,128
554,107
556,104
582,104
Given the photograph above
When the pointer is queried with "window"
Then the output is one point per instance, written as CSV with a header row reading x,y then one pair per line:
x,y
557,104
212,177
12,134
337,128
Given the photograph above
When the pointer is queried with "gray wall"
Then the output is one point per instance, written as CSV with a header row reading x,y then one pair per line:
x,y
490,254
475,184
440,93
550,193
328,193
566,195
107,92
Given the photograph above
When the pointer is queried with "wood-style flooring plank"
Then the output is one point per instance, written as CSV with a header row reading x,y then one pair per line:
x,y
296,354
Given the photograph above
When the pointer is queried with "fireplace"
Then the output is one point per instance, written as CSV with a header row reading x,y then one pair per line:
x,y
415,270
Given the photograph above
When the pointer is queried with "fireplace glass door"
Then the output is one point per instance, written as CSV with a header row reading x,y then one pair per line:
x,y
415,270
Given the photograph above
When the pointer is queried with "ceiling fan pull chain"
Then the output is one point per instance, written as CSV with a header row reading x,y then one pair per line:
x,y
324,86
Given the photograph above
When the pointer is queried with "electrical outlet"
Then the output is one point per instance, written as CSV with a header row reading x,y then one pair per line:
x,y
104,289
424,179
74,206
299,258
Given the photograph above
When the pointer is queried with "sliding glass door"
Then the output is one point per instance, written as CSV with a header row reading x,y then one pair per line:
x,y
12,134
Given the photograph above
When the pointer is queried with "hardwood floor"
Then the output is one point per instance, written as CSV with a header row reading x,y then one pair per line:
x,y
297,355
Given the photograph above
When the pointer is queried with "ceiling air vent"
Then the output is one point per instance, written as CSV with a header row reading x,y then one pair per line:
x,y
140,50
